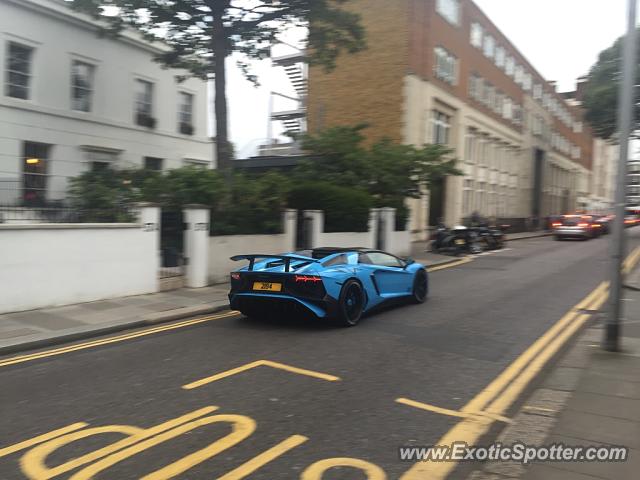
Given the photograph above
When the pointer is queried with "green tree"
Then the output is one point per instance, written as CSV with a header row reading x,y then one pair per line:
x,y
601,92
201,34
388,171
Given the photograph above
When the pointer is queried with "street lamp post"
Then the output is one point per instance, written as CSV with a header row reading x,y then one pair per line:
x,y
626,112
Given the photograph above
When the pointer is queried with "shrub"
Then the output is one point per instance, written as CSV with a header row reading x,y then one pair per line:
x,y
345,209
253,205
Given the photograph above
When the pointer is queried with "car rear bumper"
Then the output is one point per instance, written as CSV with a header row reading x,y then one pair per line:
x,y
572,232
256,304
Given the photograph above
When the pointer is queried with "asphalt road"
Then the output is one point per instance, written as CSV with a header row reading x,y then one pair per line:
x,y
480,316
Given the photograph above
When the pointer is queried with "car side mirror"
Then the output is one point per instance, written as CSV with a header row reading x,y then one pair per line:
x,y
408,261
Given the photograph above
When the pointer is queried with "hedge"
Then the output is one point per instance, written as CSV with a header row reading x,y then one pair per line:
x,y
345,209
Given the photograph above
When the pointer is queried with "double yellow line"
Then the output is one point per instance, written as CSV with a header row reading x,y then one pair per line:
x,y
118,338
495,400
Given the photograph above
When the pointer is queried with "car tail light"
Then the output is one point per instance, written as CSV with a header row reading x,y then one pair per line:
x,y
582,224
596,225
235,276
556,224
307,278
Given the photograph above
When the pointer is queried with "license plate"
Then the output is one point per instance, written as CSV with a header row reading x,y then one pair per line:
x,y
267,286
460,241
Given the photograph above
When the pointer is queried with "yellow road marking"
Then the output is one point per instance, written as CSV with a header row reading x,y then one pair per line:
x,y
316,470
260,363
40,439
488,393
462,261
265,457
241,428
106,341
631,261
523,369
452,413
34,462
432,408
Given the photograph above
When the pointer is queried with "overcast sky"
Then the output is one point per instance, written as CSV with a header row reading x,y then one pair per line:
x,y
560,38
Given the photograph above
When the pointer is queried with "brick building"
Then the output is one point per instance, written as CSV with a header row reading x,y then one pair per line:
x,y
439,71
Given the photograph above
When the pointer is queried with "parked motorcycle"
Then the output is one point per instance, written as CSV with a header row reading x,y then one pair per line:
x,y
490,238
455,241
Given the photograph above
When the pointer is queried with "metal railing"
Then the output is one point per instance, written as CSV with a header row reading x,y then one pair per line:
x,y
30,214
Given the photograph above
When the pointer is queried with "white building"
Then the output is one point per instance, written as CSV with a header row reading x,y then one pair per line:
x,y
72,101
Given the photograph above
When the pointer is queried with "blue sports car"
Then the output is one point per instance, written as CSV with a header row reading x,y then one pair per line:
x,y
335,283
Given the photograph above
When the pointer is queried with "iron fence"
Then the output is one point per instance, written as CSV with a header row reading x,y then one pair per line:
x,y
52,213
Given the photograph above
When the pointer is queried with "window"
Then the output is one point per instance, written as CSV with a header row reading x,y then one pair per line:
x,y
475,86
489,46
185,113
536,125
575,152
441,127
477,33
342,259
81,86
517,114
471,143
99,159
384,259
446,66
509,66
537,91
450,10
467,197
18,74
482,198
577,127
499,103
34,173
144,103
518,75
546,100
500,57
489,94
483,150
507,110
526,82
153,163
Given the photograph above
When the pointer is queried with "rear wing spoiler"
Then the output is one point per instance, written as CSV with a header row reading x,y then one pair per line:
x,y
287,259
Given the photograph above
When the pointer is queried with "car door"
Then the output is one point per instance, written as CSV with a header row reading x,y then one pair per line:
x,y
388,273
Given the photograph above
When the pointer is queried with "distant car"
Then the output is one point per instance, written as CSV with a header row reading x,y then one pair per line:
x,y
576,226
605,221
335,283
631,221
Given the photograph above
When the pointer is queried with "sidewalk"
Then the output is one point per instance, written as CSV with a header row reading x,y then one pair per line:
x,y
50,326
589,398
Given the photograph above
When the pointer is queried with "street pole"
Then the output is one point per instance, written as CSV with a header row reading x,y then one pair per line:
x,y
626,111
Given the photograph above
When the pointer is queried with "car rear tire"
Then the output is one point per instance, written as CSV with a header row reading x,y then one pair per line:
x,y
420,290
350,304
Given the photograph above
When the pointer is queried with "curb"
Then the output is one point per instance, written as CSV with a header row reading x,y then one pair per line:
x,y
82,333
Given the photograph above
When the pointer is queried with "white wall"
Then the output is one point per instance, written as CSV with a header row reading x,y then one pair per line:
x,y
400,243
346,239
61,264
223,247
